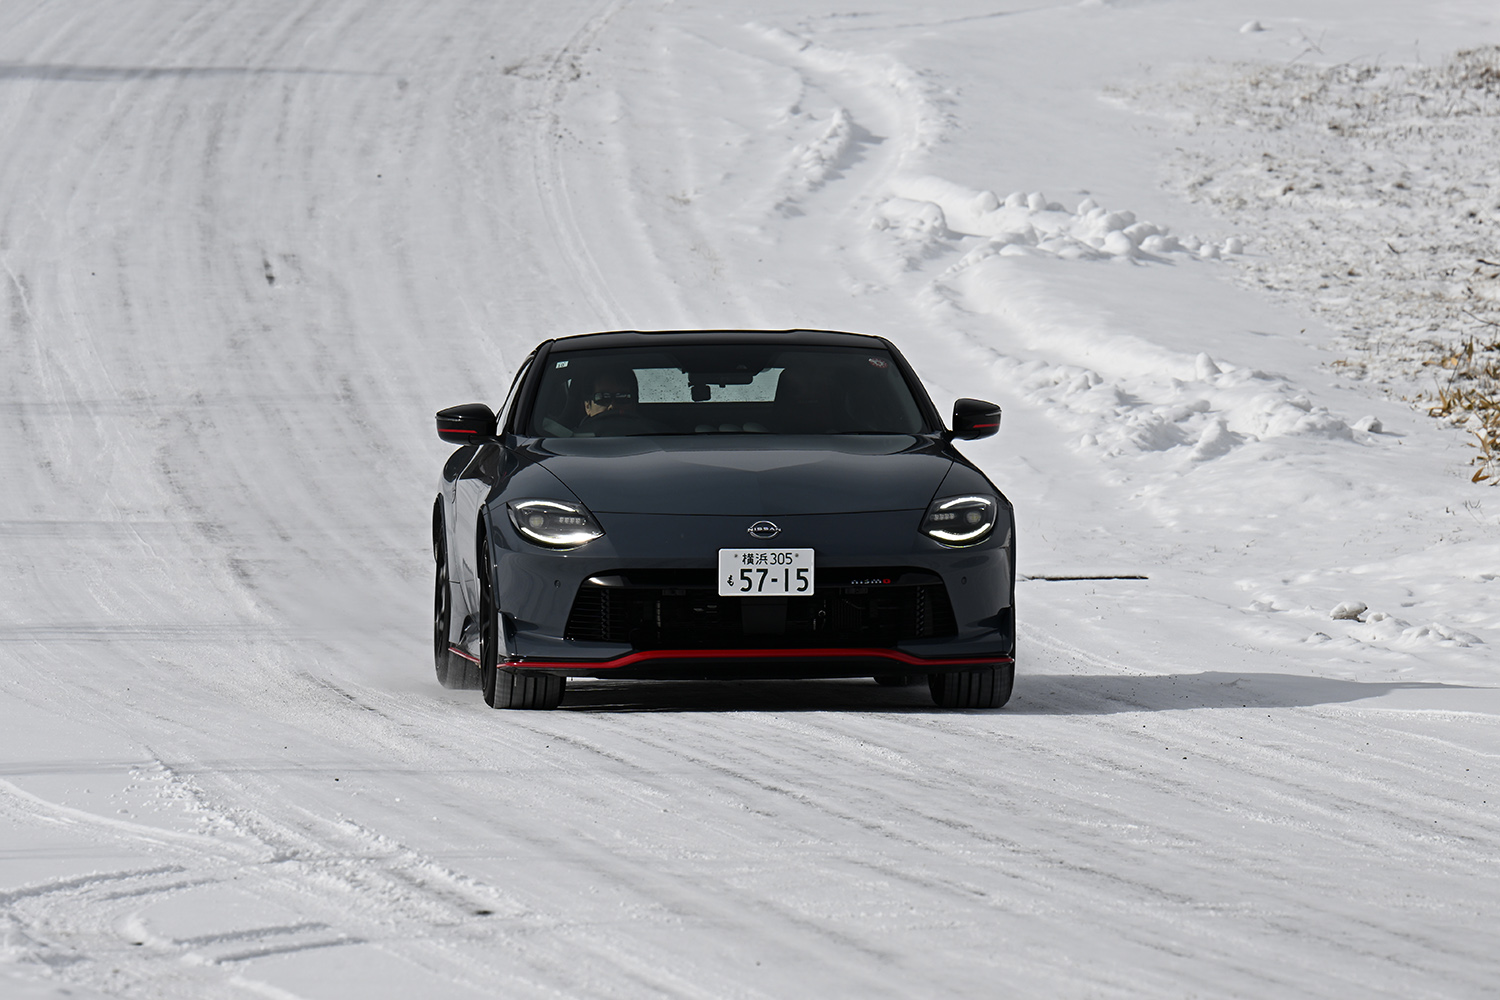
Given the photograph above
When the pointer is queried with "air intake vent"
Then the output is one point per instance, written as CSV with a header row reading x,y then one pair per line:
x,y
664,617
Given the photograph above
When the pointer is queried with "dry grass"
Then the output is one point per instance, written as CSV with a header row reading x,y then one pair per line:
x,y
1470,395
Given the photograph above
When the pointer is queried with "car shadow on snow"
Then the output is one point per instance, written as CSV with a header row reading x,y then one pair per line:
x,y
1107,694
829,695
1035,694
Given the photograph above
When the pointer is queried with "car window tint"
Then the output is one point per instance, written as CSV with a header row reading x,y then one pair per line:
x,y
733,389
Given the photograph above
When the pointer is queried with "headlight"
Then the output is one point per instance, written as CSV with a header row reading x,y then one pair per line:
x,y
557,524
960,520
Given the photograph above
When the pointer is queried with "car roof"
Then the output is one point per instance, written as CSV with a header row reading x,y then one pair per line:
x,y
665,338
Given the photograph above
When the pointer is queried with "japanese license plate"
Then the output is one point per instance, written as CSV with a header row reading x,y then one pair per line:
x,y
765,572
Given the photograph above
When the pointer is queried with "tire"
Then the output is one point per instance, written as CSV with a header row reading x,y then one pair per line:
x,y
453,671
895,680
514,689
988,687
506,687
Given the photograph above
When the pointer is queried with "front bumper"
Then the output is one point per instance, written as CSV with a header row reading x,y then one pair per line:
x,y
862,560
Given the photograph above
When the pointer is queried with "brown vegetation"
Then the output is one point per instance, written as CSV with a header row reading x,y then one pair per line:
x,y
1470,395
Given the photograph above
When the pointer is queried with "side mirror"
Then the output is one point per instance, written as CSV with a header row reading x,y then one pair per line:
x,y
471,423
974,418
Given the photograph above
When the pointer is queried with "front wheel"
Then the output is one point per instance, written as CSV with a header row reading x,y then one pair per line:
x,y
987,687
506,687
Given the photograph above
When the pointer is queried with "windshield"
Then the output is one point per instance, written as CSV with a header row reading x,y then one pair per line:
x,y
723,389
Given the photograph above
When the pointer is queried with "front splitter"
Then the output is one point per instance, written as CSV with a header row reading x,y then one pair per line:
x,y
764,663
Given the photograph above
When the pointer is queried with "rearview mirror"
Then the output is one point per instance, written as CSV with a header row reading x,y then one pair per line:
x,y
471,423
974,418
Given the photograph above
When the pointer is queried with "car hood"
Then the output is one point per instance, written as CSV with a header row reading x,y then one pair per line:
x,y
751,476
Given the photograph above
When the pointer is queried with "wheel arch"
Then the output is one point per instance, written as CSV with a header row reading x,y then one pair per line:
x,y
482,528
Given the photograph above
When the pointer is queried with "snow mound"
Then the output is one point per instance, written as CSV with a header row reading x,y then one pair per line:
x,y
918,229
840,106
813,162
1207,418
1105,378
1030,223
1395,633
911,97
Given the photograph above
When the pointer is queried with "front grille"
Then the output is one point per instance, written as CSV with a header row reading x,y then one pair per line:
x,y
632,608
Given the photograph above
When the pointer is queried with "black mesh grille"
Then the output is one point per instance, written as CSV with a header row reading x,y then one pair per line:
x,y
630,609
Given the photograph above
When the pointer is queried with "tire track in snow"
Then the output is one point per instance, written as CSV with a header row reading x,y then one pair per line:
x,y
300,865
370,894
1084,855
642,139
627,230
691,851
562,72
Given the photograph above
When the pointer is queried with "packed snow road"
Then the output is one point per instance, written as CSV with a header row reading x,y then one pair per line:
x,y
246,250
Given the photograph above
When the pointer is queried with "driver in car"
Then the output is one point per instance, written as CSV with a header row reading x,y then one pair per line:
x,y
614,392
610,408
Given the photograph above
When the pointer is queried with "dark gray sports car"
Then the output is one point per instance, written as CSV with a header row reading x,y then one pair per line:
x,y
720,504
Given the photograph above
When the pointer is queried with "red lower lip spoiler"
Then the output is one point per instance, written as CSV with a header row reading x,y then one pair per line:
x,y
819,653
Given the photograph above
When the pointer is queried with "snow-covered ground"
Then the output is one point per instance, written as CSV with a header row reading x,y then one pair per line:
x,y
247,249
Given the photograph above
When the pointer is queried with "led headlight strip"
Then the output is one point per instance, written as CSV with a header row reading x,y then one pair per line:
x,y
960,520
557,524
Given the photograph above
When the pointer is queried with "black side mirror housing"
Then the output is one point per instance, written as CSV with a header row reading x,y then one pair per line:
x,y
471,423
974,418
